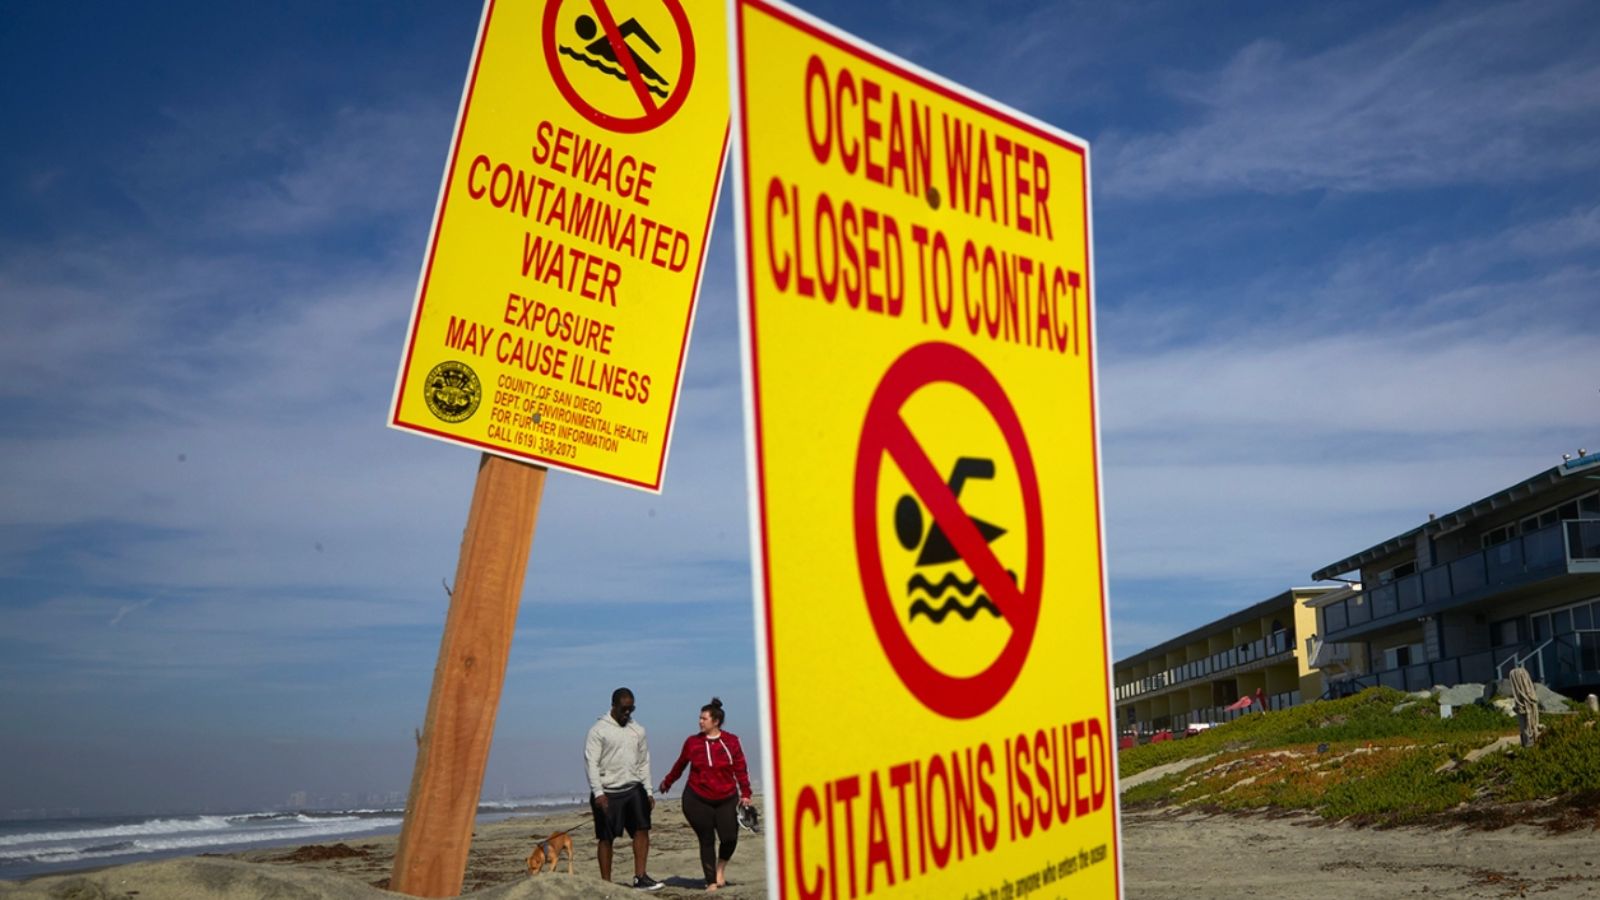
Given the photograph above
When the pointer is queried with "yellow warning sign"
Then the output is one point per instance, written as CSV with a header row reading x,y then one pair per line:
x,y
553,312
919,316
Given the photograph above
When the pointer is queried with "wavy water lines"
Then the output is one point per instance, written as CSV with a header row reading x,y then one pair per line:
x,y
948,583
967,611
618,74
949,589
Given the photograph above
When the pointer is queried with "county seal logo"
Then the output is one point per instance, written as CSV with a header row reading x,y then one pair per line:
x,y
452,391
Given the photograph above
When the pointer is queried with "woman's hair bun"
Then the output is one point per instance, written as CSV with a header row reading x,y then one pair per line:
x,y
715,702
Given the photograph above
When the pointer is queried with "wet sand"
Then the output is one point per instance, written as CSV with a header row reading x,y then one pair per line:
x,y
359,869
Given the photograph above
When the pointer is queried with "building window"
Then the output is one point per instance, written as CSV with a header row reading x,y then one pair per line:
x,y
1585,507
1565,620
1497,536
1506,632
1400,571
1399,657
1561,621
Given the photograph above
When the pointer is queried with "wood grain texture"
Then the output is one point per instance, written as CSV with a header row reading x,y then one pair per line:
x,y
453,751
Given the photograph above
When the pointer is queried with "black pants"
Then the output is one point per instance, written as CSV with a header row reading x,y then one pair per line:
x,y
713,819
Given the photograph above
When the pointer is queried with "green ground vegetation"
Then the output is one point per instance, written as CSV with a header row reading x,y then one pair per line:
x,y
1381,757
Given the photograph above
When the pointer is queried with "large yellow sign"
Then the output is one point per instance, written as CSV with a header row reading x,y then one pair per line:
x,y
919,317
553,312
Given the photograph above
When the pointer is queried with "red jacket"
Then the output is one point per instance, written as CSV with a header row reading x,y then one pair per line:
x,y
716,767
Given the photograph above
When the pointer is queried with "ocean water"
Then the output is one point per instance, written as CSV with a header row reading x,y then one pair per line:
x,y
52,846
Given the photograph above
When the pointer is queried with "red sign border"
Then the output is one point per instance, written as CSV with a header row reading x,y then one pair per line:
x,y
877,57
948,695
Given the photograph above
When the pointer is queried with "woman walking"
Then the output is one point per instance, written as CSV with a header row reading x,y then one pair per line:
x,y
718,785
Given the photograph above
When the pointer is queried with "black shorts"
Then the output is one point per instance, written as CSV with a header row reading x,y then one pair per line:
x,y
629,812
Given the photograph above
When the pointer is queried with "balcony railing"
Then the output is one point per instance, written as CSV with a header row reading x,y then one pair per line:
x,y
1275,644
1562,661
1534,556
1583,539
1321,653
1475,667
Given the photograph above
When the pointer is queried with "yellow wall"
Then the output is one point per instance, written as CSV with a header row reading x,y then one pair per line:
x,y
1305,624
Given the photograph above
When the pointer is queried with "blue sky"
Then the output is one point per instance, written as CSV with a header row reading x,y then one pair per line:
x,y
1347,260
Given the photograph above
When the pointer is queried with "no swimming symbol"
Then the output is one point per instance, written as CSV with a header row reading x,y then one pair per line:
x,y
598,50
625,66
954,535
934,548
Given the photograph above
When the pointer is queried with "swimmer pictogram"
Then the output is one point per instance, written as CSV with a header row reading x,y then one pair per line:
x,y
948,593
955,538
601,49
591,47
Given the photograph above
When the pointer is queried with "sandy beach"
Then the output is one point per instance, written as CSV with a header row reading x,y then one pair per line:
x,y
1178,854
1166,854
359,870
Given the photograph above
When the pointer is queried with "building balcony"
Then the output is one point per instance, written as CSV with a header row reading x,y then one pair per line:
x,y
1245,658
1532,561
1565,661
1321,654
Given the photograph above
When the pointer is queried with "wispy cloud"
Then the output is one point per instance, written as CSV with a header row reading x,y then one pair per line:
x,y
1414,384
1064,47
1395,286
1264,428
126,608
1453,95
291,176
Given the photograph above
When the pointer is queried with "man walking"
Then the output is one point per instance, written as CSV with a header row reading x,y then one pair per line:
x,y
617,761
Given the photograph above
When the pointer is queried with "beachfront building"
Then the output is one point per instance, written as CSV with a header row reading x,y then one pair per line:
x,y
1194,677
1512,579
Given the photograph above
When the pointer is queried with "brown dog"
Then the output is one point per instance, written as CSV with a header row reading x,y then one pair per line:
x,y
549,850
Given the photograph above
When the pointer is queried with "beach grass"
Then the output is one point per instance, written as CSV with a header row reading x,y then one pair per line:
x,y
1381,758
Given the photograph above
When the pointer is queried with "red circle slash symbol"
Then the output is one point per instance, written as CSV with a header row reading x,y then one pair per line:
x,y
885,433
653,114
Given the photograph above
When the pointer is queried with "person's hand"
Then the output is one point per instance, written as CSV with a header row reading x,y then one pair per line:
x,y
662,789
652,803
603,801
747,801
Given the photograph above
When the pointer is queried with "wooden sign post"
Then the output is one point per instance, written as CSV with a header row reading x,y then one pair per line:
x,y
454,746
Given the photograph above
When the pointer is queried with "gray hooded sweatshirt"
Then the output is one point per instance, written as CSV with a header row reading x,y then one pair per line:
x,y
616,756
